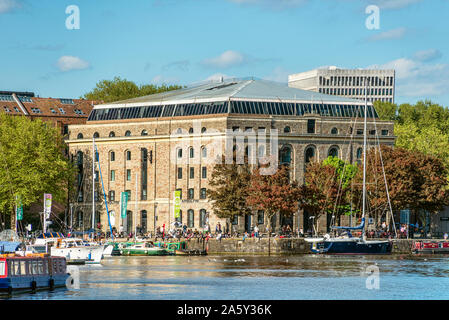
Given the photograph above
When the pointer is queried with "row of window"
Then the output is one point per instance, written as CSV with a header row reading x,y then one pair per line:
x,y
356,91
240,107
192,173
9,110
191,218
355,81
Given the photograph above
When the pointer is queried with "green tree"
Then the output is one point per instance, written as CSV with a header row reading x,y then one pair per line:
x,y
386,110
229,191
31,163
122,89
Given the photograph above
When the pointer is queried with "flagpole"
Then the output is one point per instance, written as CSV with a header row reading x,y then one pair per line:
x,y
93,183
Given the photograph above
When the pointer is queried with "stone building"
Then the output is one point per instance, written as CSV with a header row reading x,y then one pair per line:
x,y
347,82
151,146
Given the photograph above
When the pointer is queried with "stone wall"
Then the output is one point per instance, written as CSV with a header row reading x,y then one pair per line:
x,y
274,246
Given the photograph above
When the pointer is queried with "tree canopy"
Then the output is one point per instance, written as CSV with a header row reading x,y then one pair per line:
x,y
122,89
31,162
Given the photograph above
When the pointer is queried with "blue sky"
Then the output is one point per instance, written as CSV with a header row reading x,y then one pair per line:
x,y
186,41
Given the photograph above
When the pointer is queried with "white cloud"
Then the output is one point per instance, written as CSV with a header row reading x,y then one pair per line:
x,y
278,74
417,78
428,55
68,63
393,4
273,3
389,35
227,59
218,77
9,5
160,79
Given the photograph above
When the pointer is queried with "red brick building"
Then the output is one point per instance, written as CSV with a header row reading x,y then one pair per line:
x,y
59,111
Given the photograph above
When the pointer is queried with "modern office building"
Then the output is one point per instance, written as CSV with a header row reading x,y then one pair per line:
x,y
347,82
151,146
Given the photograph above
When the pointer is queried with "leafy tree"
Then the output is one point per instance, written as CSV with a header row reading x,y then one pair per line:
x,y
122,89
229,191
274,193
415,181
31,163
326,188
386,110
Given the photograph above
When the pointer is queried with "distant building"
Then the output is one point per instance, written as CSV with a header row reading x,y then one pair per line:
x,y
347,82
61,112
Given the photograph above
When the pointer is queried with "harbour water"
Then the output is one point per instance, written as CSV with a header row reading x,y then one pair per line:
x,y
223,277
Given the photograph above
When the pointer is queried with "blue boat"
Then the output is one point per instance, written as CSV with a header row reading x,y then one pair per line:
x,y
31,273
350,245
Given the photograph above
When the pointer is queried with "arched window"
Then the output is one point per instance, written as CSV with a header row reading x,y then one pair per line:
x,y
178,131
190,218
333,152
190,193
203,221
261,151
112,156
204,152
287,129
285,155
191,152
359,153
111,134
144,132
79,158
80,136
203,193
96,135
128,155
143,221
203,129
309,154
191,130
179,153
127,133
334,131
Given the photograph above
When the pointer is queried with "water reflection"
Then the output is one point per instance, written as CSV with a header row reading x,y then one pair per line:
x,y
259,277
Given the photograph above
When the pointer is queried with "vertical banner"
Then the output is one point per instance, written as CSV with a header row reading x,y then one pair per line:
x,y
124,204
19,209
177,204
47,205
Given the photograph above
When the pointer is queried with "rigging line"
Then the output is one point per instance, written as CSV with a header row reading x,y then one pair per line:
x,y
344,167
105,200
385,179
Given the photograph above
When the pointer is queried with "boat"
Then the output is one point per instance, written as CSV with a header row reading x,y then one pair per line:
x,y
430,247
75,250
32,272
144,249
347,243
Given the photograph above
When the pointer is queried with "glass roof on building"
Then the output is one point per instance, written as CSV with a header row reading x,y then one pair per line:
x,y
232,96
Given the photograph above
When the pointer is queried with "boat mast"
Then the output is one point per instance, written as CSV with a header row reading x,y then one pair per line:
x,y
93,183
364,157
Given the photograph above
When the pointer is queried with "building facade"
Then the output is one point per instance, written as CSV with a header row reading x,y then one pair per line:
x,y
347,83
151,146
61,112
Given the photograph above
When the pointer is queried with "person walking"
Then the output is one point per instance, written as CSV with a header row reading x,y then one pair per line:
x,y
256,231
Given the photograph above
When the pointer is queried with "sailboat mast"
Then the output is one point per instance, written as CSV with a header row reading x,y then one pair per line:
x,y
93,183
364,152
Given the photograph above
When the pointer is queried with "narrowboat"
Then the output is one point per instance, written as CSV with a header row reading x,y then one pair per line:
x,y
31,273
428,246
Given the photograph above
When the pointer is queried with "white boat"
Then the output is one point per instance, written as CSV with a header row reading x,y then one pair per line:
x,y
73,249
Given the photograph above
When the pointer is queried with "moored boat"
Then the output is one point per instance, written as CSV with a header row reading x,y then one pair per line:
x,y
31,273
144,249
431,246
